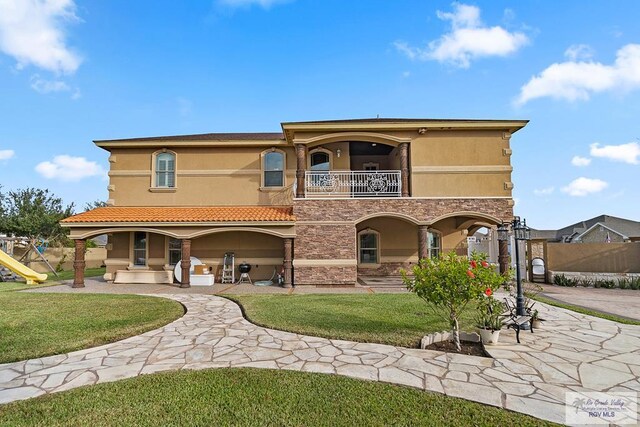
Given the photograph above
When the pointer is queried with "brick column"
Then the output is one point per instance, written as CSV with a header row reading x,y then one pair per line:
x,y
503,255
288,262
404,167
79,263
301,166
423,248
185,264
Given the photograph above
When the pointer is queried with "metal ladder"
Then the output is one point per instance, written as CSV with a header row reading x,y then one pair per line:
x,y
228,268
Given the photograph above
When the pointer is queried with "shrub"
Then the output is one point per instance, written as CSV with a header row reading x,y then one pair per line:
x,y
450,282
634,283
562,280
604,283
623,283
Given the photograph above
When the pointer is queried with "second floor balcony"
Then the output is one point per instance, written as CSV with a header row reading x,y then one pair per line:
x,y
374,183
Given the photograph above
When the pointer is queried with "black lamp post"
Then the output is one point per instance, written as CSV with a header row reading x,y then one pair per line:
x,y
520,232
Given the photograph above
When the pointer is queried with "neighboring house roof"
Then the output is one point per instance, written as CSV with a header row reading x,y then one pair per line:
x,y
624,227
116,214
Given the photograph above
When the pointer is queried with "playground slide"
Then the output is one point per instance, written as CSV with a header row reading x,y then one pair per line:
x,y
21,270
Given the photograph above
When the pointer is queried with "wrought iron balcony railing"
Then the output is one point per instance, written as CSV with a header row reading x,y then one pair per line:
x,y
353,184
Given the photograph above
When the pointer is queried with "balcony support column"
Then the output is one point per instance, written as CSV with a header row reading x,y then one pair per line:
x,y
423,244
301,166
185,264
403,148
288,262
79,263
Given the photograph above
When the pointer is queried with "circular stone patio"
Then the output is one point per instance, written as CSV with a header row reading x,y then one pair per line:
x,y
572,352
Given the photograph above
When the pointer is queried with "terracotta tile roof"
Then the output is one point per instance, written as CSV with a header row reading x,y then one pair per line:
x,y
256,136
117,214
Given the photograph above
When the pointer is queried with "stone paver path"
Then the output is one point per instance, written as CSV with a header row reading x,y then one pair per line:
x,y
572,352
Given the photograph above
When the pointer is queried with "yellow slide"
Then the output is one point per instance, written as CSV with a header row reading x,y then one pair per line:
x,y
21,270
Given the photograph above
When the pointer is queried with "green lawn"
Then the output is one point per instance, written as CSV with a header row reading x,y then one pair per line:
x,y
41,324
587,311
253,397
398,319
68,274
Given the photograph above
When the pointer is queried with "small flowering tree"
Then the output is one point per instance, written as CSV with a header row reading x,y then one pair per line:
x,y
450,282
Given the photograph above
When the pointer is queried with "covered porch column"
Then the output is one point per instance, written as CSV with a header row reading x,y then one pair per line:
x,y
288,262
301,166
185,264
79,263
403,148
503,256
423,248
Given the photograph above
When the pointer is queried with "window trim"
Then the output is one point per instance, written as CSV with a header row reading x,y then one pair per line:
x,y
263,157
377,249
132,266
168,250
154,188
320,150
429,247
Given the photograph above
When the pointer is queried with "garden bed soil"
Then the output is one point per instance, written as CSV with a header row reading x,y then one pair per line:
x,y
468,348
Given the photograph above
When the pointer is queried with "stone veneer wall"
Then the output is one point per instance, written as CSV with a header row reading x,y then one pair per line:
x,y
325,249
386,269
424,210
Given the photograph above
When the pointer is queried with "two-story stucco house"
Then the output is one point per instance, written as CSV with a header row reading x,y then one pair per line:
x,y
328,201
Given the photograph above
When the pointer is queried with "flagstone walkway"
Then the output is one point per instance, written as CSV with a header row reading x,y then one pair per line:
x,y
572,352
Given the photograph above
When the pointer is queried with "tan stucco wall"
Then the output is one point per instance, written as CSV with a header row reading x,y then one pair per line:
x,y
204,176
442,164
460,163
264,252
398,238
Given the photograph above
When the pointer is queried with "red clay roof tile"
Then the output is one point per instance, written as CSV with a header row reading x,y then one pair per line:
x,y
184,214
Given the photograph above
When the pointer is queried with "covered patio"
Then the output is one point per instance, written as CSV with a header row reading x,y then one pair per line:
x,y
145,244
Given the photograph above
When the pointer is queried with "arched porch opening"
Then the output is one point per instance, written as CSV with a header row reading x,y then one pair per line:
x,y
465,232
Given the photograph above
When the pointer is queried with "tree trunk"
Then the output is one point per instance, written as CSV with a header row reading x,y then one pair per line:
x,y
455,330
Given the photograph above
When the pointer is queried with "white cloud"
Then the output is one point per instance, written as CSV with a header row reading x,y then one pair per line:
x,y
578,79
577,52
580,161
33,32
68,168
544,191
468,39
47,86
626,153
265,4
583,186
7,154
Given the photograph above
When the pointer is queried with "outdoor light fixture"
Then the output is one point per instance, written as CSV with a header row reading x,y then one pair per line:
x,y
520,232
503,232
338,152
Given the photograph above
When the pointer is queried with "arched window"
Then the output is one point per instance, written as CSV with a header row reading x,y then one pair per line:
x,y
320,161
273,168
368,247
165,168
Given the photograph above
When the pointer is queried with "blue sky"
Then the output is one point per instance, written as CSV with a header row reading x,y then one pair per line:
x,y
71,72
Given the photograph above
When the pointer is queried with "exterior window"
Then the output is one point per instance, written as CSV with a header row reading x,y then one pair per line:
x,y
140,248
320,161
175,251
368,247
434,244
166,170
274,169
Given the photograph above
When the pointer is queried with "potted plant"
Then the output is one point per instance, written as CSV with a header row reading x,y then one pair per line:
x,y
536,321
488,320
